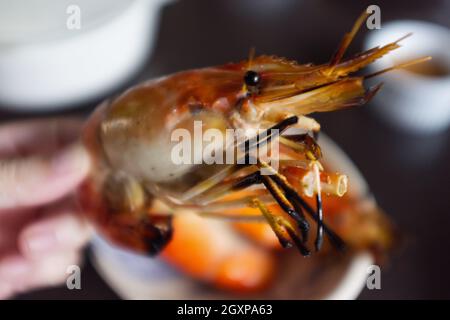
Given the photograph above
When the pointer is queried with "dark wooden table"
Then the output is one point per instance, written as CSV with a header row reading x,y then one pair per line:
x,y
409,174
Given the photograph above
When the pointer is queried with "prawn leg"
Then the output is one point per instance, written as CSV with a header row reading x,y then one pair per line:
x,y
282,192
280,225
311,149
292,195
292,210
282,228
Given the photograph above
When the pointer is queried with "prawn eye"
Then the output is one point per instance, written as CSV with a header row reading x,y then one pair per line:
x,y
252,78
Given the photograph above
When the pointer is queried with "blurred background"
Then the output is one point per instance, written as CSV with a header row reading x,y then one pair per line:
x,y
405,161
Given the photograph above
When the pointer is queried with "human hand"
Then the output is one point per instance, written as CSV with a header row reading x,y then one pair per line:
x,y
41,233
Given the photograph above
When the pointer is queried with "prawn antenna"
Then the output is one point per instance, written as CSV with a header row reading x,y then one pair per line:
x,y
345,42
399,66
251,57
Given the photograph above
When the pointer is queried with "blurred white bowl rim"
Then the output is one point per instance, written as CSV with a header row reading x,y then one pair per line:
x,y
45,65
416,103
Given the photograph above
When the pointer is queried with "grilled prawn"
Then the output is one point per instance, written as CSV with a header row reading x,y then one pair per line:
x,y
136,190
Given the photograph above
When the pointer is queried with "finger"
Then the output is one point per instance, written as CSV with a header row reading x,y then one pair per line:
x,y
60,232
38,135
52,270
38,180
11,224
18,274
15,272
14,267
6,291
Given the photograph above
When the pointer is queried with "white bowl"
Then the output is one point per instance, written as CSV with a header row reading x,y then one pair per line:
x,y
410,101
134,276
45,66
